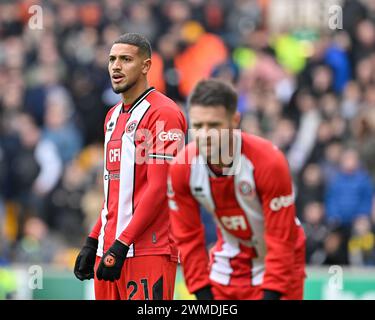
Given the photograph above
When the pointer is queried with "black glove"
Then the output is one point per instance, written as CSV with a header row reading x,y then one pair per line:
x,y
271,295
204,293
84,266
110,265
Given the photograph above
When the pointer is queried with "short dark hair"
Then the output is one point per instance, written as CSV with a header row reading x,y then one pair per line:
x,y
138,40
214,93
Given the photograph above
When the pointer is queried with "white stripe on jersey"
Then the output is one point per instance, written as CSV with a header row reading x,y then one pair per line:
x,y
254,213
201,190
128,153
140,99
257,272
104,212
200,183
221,269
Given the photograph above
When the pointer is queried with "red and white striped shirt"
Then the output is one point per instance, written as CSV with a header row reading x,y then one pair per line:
x,y
138,143
253,206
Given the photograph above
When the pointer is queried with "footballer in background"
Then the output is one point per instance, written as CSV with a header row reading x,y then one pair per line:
x,y
244,182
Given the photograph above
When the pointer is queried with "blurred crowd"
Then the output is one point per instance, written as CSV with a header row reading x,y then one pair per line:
x,y
311,93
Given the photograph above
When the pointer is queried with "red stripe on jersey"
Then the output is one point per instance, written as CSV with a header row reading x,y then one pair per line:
x,y
242,269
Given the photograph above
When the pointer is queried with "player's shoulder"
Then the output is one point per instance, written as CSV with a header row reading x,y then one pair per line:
x,y
271,169
165,109
262,152
110,113
159,102
257,146
112,109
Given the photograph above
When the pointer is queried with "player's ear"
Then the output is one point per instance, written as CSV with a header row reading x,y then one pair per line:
x,y
236,118
146,66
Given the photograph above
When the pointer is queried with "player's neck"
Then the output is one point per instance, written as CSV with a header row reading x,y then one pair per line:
x,y
134,92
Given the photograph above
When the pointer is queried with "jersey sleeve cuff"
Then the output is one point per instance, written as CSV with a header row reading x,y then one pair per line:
x,y
94,235
126,239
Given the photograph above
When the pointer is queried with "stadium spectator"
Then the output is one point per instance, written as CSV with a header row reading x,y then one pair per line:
x,y
4,247
363,128
59,127
335,248
311,188
336,56
91,200
306,135
354,11
330,163
63,207
350,193
37,244
362,243
364,40
325,135
351,100
316,232
35,169
283,134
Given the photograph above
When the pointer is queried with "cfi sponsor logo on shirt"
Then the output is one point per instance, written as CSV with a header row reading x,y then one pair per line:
x,y
281,202
115,155
234,222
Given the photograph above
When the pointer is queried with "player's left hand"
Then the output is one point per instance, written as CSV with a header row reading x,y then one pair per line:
x,y
110,265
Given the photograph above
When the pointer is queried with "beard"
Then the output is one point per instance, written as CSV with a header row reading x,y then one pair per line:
x,y
123,88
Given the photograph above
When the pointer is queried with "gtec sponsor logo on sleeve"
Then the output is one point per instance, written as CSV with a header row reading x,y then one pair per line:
x,y
281,202
169,136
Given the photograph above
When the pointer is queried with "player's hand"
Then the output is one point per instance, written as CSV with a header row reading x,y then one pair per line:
x,y
110,265
84,266
204,294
